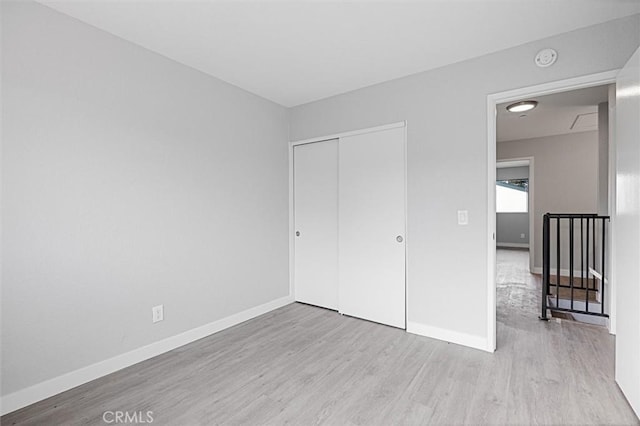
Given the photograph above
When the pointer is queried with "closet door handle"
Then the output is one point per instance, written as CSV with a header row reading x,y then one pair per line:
x,y
399,238
297,233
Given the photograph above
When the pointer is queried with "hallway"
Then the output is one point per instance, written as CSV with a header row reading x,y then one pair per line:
x,y
518,291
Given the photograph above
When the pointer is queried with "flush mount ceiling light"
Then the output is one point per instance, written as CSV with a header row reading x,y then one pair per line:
x,y
522,106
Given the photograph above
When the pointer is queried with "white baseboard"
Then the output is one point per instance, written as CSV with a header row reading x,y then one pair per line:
x,y
51,387
512,245
463,339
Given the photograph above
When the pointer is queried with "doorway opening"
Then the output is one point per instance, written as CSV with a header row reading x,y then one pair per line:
x,y
512,137
515,205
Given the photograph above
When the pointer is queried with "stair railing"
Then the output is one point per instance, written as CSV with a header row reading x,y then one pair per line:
x,y
590,279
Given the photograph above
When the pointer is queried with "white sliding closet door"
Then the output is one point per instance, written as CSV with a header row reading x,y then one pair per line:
x,y
372,226
316,223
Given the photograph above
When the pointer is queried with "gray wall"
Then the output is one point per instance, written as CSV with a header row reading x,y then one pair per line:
x,y
509,226
504,173
128,180
446,111
565,176
603,158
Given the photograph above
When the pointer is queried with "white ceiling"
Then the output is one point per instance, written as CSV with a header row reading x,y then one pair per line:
x,y
293,52
557,114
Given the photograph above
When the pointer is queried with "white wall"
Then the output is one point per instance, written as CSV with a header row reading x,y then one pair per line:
x,y
128,181
566,177
446,114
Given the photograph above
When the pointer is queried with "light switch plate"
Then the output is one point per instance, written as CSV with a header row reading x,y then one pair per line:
x,y
157,313
463,217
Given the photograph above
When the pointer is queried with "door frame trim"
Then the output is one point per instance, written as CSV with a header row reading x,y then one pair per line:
x,y
531,203
349,133
590,80
292,144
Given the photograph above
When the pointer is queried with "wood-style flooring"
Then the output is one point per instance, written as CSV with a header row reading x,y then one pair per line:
x,y
303,365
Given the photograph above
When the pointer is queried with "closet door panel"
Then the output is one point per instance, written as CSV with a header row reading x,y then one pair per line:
x,y
372,226
316,223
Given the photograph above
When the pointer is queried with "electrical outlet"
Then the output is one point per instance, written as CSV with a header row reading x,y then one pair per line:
x,y
521,235
157,313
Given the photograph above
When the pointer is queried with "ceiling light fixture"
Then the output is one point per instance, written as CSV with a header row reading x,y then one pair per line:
x,y
522,106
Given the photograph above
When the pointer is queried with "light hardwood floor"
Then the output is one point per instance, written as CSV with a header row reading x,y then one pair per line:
x,y
304,365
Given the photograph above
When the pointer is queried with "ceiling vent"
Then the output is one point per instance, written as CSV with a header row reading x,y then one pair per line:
x,y
584,122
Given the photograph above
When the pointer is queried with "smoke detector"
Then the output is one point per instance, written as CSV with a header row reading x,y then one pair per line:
x,y
546,58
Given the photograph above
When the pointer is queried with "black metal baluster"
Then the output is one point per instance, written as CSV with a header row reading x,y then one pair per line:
x,y
545,265
558,262
593,246
581,252
602,269
586,303
571,259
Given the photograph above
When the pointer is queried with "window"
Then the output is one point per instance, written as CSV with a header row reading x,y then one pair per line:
x,y
512,196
